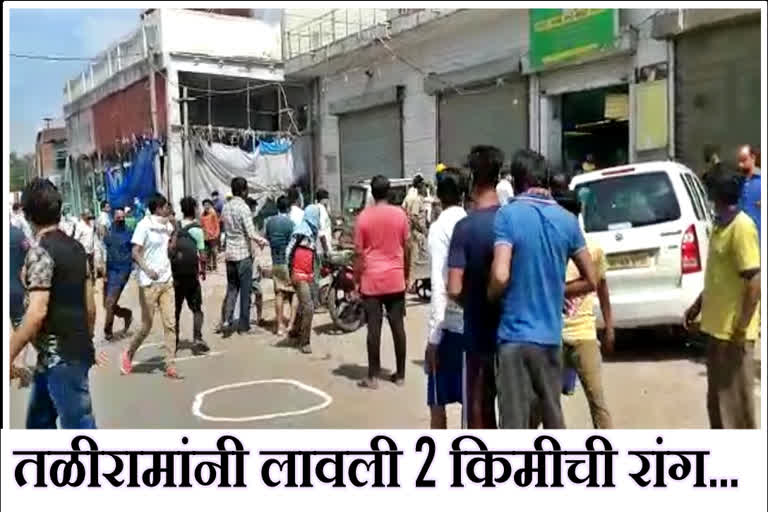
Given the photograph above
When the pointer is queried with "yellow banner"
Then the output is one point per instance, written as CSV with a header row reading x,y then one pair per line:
x,y
651,110
569,54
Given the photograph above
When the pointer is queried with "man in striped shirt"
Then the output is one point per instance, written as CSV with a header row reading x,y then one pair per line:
x,y
242,237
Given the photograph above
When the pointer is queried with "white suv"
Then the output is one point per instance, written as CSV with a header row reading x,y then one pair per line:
x,y
653,221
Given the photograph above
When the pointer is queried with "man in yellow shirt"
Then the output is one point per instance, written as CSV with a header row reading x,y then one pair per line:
x,y
728,307
581,348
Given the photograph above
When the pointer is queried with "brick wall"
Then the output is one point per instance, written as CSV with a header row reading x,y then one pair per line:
x,y
48,141
127,112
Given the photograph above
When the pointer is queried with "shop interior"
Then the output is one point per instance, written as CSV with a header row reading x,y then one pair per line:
x,y
595,122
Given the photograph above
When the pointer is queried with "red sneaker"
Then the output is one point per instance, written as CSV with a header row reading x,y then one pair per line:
x,y
126,366
171,373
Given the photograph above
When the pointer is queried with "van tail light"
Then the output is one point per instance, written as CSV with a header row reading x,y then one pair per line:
x,y
690,257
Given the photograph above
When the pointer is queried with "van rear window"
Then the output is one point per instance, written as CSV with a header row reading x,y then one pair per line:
x,y
693,195
397,195
355,198
632,200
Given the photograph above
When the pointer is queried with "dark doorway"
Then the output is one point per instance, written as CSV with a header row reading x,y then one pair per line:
x,y
595,122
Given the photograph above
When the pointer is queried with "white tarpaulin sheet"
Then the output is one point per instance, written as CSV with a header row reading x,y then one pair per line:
x,y
214,165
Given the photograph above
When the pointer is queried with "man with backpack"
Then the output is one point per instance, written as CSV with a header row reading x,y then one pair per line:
x,y
187,263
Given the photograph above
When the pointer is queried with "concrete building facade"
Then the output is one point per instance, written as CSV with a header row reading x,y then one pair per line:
x,y
50,151
366,90
395,91
421,87
51,158
716,82
226,61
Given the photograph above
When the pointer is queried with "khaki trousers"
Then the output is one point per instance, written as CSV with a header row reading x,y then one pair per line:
x,y
730,384
157,297
584,356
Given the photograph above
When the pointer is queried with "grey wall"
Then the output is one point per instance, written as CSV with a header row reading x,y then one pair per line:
x,y
465,39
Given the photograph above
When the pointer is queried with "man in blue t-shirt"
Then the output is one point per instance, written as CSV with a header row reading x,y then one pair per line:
x,y
119,267
749,202
278,230
534,239
469,265
218,204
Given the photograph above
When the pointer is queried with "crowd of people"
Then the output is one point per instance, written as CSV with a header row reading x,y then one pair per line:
x,y
513,288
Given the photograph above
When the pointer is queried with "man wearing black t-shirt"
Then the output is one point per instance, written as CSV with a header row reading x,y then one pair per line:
x,y
59,318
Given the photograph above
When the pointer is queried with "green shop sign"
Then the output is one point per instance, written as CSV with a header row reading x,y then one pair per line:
x,y
559,35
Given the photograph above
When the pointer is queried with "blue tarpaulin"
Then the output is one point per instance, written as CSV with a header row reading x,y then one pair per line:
x,y
134,180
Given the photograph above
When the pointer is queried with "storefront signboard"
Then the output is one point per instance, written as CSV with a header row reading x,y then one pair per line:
x,y
560,35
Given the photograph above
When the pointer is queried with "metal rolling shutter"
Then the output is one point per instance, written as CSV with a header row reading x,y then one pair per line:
x,y
717,91
590,75
497,116
370,144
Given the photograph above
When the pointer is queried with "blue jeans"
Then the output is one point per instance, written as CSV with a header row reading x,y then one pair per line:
x,y
61,392
239,280
16,303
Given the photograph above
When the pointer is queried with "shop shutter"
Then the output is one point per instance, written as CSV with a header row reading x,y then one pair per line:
x,y
494,115
717,91
370,143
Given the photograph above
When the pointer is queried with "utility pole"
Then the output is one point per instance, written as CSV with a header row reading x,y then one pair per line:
x,y
184,101
210,127
153,100
279,110
153,109
185,109
152,90
248,103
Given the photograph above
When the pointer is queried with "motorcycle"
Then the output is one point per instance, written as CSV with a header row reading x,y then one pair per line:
x,y
338,293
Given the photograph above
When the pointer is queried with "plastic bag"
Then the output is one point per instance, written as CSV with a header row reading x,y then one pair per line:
x,y
569,380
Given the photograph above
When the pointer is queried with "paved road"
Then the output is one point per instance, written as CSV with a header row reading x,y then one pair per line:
x,y
649,383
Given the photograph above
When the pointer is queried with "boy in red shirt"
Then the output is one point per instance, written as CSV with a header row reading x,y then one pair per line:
x,y
382,264
209,220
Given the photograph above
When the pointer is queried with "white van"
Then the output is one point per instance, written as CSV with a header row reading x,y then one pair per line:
x,y
359,194
653,221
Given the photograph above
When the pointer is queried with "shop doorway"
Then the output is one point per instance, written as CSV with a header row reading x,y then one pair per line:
x,y
596,123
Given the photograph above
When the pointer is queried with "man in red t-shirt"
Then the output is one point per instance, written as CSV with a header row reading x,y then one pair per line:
x,y
382,263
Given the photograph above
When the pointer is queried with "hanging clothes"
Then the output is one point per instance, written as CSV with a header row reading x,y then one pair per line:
x,y
214,165
274,146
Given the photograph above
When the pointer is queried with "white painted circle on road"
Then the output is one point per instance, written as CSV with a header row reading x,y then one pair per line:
x,y
197,405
